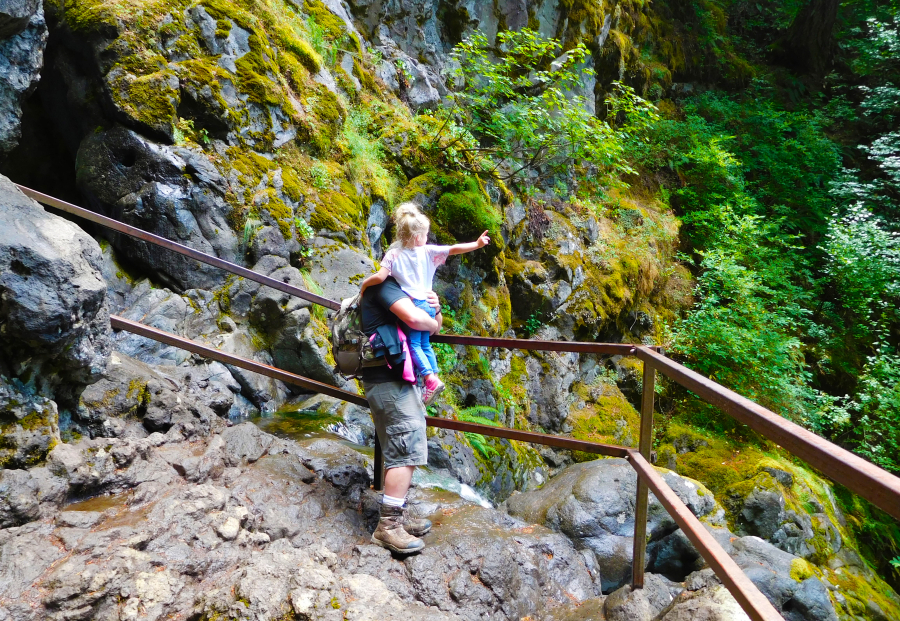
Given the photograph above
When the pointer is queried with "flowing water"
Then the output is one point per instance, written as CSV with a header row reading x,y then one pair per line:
x,y
430,478
293,422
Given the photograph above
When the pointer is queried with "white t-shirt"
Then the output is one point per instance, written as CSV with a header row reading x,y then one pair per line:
x,y
414,267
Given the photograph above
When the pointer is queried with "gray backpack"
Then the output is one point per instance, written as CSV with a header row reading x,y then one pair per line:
x,y
350,346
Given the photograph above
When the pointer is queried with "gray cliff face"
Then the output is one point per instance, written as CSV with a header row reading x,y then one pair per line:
x,y
171,192
23,37
417,36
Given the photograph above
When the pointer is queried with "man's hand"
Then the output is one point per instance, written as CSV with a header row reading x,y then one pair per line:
x,y
433,301
483,240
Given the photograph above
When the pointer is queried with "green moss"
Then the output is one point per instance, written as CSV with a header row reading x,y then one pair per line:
x,y
504,305
328,109
608,419
105,401
365,78
137,389
222,296
333,26
87,16
336,212
281,213
36,421
345,83
463,208
300,48
250,164
223,9
148,99
253,70
223,28
291,184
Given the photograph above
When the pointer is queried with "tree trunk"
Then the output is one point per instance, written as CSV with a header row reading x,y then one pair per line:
x,y
808,44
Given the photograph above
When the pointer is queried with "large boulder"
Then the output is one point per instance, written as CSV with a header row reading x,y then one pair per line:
x,y
759,507
789,582
593,503
174,193
54,319
23,37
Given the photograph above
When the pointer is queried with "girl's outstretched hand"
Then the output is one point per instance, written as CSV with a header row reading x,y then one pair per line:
x,y
484,240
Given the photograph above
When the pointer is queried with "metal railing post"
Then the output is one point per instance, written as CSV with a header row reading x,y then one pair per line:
x,y
378,474
641,502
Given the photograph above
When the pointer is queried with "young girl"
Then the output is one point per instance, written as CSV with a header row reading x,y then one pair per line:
x,y
412,263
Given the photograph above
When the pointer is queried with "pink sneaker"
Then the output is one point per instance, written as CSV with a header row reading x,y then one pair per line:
x,y
430,394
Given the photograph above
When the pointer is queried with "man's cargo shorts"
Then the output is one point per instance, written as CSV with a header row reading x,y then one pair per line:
x,y
399,416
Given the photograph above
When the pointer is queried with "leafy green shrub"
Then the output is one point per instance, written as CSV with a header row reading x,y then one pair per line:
x,y
305,235
520,111
321,178
446,356
366,164
532,324
863,260
871,418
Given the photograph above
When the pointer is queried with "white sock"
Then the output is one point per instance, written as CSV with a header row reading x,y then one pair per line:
x,y
390,501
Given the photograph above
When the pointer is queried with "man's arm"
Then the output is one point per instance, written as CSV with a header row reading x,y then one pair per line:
x,y
375,279
415,318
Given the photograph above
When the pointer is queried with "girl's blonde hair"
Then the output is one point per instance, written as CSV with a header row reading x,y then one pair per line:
x,y
410,223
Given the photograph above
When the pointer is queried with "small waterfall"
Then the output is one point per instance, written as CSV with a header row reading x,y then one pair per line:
x,y
441,479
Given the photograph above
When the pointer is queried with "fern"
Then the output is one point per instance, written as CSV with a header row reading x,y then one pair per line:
x,y
475,414
479,443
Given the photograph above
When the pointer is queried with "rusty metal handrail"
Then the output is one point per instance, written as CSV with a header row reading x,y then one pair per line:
x,y
744,591
142,235
735,580
871,482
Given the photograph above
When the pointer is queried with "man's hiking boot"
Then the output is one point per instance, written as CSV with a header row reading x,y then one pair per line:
x,y
414,525
390,533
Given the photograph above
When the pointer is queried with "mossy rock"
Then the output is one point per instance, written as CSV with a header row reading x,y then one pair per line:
x,y
29,427
460,209
332,25
256,71
338,211
149,102
608,419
